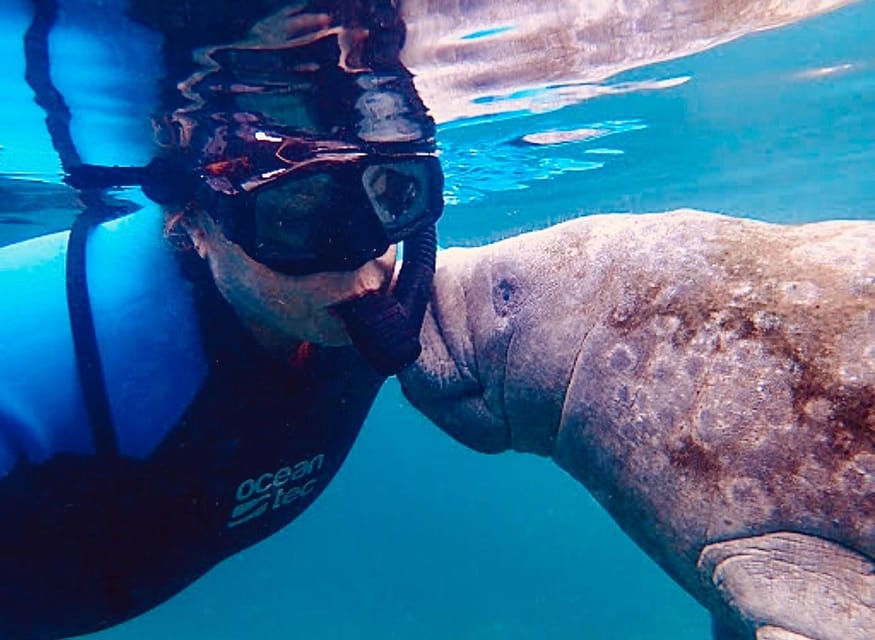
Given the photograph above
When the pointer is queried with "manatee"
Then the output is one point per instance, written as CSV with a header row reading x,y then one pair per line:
x,y
710,380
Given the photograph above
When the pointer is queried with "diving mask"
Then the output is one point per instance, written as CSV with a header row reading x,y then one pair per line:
x,y
309,207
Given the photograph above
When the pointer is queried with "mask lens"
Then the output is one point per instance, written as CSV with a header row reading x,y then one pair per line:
x,y
316,222
397,194
287,218
338,218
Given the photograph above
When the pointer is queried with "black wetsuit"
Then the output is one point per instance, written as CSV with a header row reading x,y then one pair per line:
x,y
92,539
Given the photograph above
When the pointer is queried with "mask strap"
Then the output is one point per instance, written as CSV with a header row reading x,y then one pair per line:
x,y
165,180
85,345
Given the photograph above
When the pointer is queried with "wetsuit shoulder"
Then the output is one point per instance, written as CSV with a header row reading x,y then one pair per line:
x,y
147,329
40,399
147,335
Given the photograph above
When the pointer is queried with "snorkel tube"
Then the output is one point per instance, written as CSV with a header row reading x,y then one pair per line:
x,y
385,326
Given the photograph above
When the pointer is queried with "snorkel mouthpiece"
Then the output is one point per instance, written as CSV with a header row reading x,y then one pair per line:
x,y
380,327
385,326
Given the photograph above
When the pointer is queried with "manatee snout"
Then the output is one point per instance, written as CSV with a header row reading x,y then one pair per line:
x,y
445,383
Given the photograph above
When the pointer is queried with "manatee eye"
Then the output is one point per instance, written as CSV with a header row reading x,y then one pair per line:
x,y
505,296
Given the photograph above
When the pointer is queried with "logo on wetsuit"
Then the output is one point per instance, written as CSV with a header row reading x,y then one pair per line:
x,y
274,490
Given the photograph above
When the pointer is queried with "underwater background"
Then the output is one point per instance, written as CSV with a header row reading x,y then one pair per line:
x,y
418,537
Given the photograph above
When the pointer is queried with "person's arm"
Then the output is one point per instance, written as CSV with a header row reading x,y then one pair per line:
x,y
13,424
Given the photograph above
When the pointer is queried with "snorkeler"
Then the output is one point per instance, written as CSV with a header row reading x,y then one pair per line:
x,y
187,379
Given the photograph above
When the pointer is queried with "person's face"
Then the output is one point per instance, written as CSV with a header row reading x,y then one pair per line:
x,y
280,308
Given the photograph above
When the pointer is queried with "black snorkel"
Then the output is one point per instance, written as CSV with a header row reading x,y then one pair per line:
x,y
385,326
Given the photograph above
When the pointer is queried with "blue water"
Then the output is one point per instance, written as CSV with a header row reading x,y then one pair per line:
x,y
420,538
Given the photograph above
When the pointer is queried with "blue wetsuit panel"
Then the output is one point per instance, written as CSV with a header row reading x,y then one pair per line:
x,y
147,329
41,407
147,335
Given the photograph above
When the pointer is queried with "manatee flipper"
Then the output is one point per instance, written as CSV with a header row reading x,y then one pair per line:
x,y
774,633
722,631
792,586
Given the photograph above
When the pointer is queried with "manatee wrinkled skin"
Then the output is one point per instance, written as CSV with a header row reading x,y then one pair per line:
x,y
710,380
